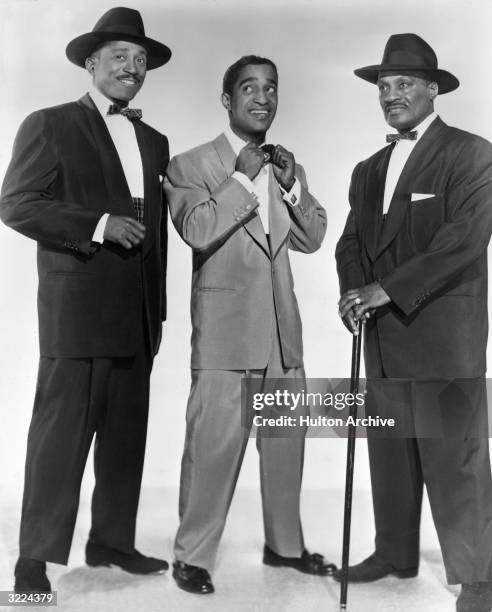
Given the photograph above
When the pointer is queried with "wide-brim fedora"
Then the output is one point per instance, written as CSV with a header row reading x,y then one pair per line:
x,y
118,23
410,53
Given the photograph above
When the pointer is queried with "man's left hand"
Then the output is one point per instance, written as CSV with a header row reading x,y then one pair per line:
x,y
362,300
284,166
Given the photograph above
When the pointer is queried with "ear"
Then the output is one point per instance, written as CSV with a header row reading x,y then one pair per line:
x,y
90,64
226,101
433,90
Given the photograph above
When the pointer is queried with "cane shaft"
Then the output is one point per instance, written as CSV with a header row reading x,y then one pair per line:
x,y
349,474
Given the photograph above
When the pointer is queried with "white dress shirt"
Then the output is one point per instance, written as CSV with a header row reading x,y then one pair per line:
x,y
399,156
124,138
258,187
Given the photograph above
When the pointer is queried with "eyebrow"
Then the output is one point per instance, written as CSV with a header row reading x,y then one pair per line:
x,y
143,51
249,79
397,76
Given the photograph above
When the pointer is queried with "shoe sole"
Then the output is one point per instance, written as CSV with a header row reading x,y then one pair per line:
x,y
402,574
113,566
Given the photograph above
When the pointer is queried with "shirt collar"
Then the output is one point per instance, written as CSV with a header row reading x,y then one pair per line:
x,y
423,125
102,103
421,128
236,143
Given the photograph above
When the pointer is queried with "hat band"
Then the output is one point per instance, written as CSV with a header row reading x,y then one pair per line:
x,y
405,58
122,29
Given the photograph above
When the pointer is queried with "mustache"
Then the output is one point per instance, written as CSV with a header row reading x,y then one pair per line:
x,y
390,105
130,76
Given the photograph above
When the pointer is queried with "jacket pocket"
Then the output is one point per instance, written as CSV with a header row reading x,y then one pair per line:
x,y
215,290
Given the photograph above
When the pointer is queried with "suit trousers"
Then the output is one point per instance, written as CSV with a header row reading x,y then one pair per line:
x,y
216,437
448,451
75,399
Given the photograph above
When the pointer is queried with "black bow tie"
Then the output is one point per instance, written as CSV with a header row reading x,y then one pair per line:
x,y
406,136
132,114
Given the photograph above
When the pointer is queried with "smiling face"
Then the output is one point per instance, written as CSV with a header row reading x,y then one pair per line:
x,y
118,69
406,99
252,104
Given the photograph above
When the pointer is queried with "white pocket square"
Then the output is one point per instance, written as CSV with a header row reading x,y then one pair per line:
x,y
422,196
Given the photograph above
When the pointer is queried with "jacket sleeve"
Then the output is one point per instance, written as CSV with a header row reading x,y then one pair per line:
x,y
201,216
28,200
307,219
462,237
348,249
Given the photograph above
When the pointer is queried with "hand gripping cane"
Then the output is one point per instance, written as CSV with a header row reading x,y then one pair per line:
x,y
349,475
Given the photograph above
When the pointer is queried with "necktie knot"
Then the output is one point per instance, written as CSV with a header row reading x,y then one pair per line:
x,y
406,136
132,114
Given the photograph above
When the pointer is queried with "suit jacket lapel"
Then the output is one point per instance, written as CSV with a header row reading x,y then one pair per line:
x,y
228,160
119,197
149,214
401,196
278,216
373,202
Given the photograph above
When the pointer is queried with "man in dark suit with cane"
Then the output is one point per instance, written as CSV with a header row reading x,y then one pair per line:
x,y
84,183
413,258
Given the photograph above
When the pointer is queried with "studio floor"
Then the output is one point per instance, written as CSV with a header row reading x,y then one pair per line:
x,y
241,581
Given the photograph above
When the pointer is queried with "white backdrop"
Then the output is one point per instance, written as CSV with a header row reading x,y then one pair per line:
x,y
329,118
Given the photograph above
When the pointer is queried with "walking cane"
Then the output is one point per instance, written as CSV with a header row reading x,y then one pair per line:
x,y
349,475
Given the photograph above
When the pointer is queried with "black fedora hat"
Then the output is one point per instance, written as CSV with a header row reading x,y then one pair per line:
x,y
410,53
118,24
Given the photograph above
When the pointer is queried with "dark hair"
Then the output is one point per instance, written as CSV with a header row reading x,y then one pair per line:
x,y
232,73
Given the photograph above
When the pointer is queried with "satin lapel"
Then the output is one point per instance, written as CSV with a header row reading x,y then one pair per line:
x,y
373,201
401,197
119,197
279,218
150,215
254,226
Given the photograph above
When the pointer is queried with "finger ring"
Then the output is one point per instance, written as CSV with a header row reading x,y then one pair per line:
x,y
266,158
358,300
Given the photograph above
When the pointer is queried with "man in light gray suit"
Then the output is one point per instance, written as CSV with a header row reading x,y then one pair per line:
x,y
240,214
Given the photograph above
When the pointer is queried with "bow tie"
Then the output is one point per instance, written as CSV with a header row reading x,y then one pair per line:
x,y
406,136
132,114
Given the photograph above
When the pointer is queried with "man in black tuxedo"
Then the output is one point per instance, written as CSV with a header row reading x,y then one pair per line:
x,y
413,256
84,182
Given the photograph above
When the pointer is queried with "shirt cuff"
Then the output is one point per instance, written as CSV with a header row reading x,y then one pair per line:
x,y
245,182
100,228
293,196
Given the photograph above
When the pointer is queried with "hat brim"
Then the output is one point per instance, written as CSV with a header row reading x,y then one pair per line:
x,y
80,48
446,81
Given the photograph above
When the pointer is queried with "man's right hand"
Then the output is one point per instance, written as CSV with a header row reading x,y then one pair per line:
x,y
250,160
350,323
125,231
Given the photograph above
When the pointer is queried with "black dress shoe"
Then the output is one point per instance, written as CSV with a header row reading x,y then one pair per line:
x,y
30,575
373,569
134,563
192,578
475,597
307,563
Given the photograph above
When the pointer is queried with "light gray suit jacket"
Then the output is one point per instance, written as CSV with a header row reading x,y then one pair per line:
x,y
240,282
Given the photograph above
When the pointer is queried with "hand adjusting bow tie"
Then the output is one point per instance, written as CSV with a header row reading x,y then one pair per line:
x,y
406,136
132,114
